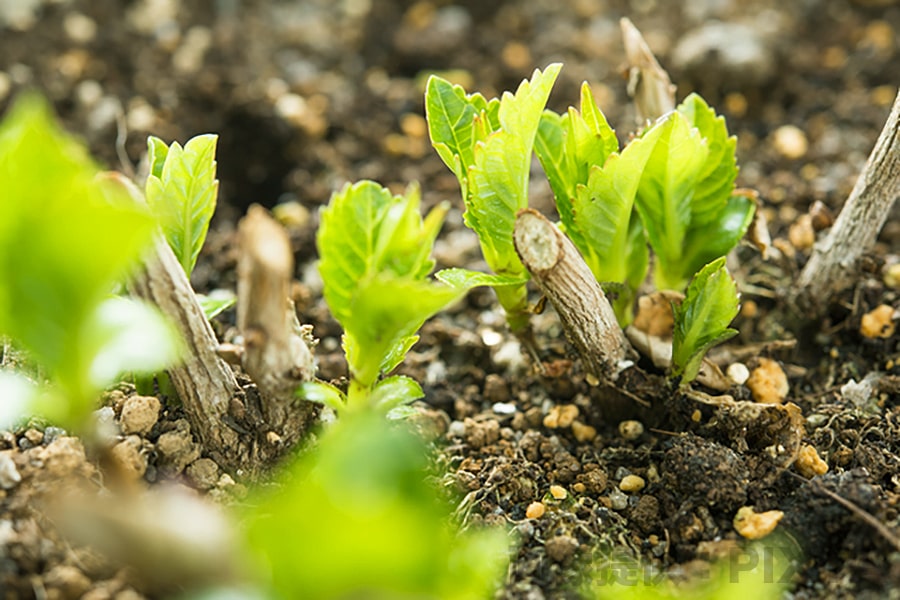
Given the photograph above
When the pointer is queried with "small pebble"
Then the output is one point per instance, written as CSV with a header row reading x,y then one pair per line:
x,y
561,416
631,429
768,383
738,373
583,433
131,462
535,510
617,499
753,525
558,492
9,474
878,322
139,414
790,142
457,429
504,408
802,234
203,473
891,276
632,484
561,548
809,463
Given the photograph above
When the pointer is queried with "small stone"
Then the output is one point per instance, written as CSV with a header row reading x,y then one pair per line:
x,y
753,525
768,383
67,581
535,510
579,488
495,389
632,484
809,463
34,436
801,233
132,463
790,142
561,416
617,499
820,216
737,373
292,214
9,474
139,414
583,433
631,430
891,276
177,449
558,492
561,548
203,473
878,322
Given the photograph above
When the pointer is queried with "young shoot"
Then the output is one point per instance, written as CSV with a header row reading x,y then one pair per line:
x,y
702,319
67,239
488,146
375,260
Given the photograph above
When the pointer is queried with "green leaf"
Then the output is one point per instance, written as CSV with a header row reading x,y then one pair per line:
x,y
181,190
498,180
385,313
322,393
380,529
549,145
391,392
466,279
125,334
19,397
716,180
717,237
702,319
213,305
590,139
66,238
365,230
451,114
666,190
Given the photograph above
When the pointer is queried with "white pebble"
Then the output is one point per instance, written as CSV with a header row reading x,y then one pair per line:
x,y
9,474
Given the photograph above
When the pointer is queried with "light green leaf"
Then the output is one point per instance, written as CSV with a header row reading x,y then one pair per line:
x,y
717,237
19,396
213,305
498,180
716,180
66,238
549,145
385,311
665,192
322,393
391,392
181,190
590,139
125,334
702,319
466,279
450,114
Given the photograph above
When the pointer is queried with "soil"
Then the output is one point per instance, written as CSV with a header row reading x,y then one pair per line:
x,y
306,96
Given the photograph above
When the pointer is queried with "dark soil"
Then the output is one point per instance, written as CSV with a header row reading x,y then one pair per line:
x,y
308,95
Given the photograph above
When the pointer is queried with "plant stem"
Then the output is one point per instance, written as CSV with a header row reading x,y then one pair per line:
x,y
832,267
567,281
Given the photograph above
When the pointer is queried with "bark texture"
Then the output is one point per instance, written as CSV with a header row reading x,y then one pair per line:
x,y
832,267
565,279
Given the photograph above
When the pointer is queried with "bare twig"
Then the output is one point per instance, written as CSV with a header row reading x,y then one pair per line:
x,y
564,277
832,266
276,354
648,83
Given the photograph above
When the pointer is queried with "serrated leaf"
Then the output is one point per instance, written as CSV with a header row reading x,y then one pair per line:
x,y
498,181
214,305
66,238
391,392
322,393
450,114
717,237
702,319
181,190
366,230
466,279
590,139
549,145
716,180
384,314
665,192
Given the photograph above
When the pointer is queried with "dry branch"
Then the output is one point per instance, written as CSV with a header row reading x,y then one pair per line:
x,y
566,280
832,267
648,83
276,354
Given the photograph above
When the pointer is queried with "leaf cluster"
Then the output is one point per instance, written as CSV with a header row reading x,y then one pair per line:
x,y
488,146
67,237
375,259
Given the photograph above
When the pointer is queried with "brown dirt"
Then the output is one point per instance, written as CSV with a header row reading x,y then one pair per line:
x,y
308,95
